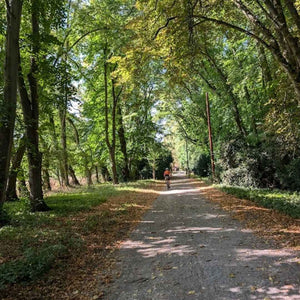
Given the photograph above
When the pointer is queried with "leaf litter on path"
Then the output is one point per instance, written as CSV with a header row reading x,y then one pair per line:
x,y
267,223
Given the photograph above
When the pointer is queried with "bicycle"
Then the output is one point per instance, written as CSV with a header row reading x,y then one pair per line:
x,y
167,180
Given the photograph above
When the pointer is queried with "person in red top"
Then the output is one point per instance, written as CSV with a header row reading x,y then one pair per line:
x,y
167,175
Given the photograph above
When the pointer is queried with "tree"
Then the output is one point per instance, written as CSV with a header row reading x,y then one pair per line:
x,y
8,103
30,107
11,194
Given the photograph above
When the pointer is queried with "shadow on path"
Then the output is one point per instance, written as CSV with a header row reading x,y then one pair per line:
x,y
188,248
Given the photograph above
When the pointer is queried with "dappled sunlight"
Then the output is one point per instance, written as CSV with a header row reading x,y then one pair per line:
x,y
199,229
166,249
146,191
210,216
147,222
180,191
168,240
263,221
290,292
186,236
151,249
283,292
129,244
250,254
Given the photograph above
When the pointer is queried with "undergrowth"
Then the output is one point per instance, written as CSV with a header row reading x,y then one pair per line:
x,y
33,243
283,201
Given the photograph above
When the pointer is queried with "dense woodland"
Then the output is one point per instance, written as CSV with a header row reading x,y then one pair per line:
x,y
115,90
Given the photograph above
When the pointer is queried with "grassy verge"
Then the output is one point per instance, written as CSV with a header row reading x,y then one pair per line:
x,y
34,243
283,201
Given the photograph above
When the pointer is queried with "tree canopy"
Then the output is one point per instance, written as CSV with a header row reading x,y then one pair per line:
x,y
105,90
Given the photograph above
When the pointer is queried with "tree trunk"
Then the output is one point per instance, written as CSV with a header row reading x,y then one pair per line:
x,y
31,119
153,171
22,187
97,174
65,175
104,173
73,175
46,175
58,177
88,176
122,139
8,105
110,145
46,180
63,117
55,141
11,193
113,165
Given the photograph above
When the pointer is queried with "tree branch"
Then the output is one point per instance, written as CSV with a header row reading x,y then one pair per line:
x,y
232,26
293,11
84,35
7,5
76,42
162,27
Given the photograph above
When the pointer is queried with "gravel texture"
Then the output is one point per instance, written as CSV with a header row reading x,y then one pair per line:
x,y
186,247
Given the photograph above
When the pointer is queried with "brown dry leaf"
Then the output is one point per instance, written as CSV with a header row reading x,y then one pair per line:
x,y
282,229
80,275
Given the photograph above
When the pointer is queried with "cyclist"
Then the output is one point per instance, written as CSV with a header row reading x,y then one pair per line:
x,y
167,175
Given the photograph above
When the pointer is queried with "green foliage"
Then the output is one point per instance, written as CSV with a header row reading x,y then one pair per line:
x,y
34,242
290,176
240,176
163,163
202,167
32,265
4,218
243,164
286,202
64,204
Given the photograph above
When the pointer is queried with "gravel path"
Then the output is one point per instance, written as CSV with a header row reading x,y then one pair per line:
x,y
188,248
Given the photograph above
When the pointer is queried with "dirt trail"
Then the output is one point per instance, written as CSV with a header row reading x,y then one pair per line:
x,y
186,247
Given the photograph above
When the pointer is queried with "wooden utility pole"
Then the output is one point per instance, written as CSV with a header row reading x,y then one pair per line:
x,y
212,158
187,159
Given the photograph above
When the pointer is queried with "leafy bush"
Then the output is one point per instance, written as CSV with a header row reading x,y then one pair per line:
x,y
31,266
4,218
240,176
288,203
242,164
290,176
202,167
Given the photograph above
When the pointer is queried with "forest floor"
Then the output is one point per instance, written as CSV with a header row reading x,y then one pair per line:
x,y
194,242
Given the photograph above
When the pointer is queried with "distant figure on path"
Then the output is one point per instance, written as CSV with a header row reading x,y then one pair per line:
x,y
167,175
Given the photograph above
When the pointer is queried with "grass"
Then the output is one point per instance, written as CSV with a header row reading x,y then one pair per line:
x,y
33,243
283,201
